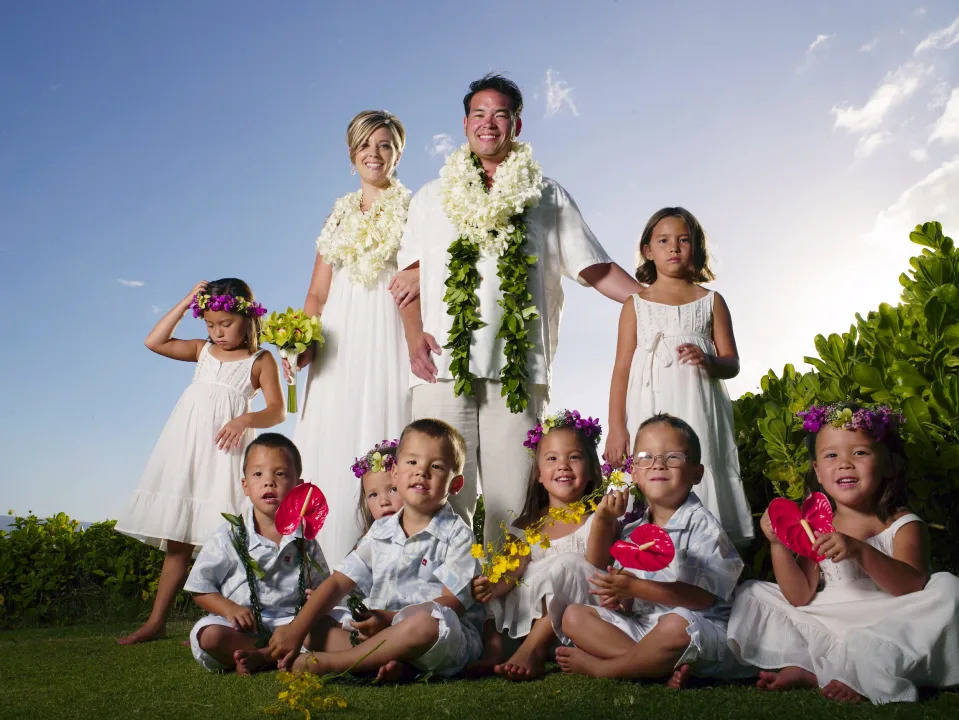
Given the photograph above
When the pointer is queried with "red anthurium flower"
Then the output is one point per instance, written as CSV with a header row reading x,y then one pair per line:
x,y
797,528
305,503
651,549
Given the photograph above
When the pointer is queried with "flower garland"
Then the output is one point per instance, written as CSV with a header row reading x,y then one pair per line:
x,y
227,303
490,223
379,459
365,243
590,427
878,422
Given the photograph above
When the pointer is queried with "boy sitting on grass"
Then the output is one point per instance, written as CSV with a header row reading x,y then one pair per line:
x,y
414,567
244,609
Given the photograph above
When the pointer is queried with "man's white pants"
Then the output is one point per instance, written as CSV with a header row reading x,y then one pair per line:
x,y
494,445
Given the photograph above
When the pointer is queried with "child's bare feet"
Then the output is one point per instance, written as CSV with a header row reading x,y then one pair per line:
x,y
491,657
785,679
251,661
395,672
679,677
524,665
840,692
574,660
144,633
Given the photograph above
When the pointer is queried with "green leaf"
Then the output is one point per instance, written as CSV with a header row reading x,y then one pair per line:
x,y
906,375
867,376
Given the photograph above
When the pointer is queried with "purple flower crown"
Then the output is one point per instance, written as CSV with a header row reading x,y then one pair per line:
x,y
590,427
878,421
376,460
227,303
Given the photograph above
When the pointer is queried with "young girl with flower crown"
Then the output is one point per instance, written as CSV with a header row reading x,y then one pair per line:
x,y
193,474
867,620
528,603
378,497
675,348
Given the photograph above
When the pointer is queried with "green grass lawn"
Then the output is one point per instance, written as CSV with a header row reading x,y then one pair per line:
x,y
80,672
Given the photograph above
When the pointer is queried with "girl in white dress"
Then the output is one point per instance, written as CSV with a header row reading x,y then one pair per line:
x,y
528,603
867,621
194,472
675,348
357,392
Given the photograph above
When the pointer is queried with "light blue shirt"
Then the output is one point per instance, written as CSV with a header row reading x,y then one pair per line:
x,y
218,568
705,557
394,571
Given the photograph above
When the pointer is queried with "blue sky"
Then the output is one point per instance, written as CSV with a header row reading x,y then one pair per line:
x,y
145,146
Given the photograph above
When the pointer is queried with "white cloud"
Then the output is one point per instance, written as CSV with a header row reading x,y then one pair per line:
x,y
920,11
932,198
940,39
919,154
558,95
947,126
131,283
866,47
820,40
156,309
442,145
868,144
895,87
939,95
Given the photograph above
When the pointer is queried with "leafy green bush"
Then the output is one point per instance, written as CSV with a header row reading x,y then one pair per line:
x,y
906,356
51,570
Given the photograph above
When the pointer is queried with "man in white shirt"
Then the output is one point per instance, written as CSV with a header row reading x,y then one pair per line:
x,y
563,245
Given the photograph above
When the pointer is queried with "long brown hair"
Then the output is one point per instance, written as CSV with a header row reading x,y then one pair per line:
x,y
646,269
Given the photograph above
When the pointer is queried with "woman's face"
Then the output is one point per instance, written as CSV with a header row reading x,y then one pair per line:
x,y
376,158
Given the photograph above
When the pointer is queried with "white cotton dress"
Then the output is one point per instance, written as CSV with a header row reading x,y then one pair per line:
x,y
659,383
356,395
557,575
188,481
880,645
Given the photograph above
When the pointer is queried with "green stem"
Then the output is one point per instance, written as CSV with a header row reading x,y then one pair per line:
x,y
291,397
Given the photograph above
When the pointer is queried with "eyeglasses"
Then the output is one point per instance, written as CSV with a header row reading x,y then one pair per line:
x,y
646,460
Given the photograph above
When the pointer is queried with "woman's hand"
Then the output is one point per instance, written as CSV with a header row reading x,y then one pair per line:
x,y
690,354
405,286
766,525
421,361
838,547
617,446
302,360
231,434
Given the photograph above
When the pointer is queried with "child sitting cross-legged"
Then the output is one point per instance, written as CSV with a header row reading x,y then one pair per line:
x,y
667,623
244,609
415,568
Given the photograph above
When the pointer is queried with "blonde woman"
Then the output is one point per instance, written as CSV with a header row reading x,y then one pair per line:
x,y
357,390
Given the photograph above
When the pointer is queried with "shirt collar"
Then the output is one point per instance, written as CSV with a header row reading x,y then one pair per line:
x,y
389,528
684,512
254,539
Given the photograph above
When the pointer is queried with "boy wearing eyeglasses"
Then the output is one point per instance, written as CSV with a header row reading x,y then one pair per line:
x,y
669,623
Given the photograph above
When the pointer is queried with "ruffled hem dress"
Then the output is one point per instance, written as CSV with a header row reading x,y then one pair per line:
x,y
882,646
188,482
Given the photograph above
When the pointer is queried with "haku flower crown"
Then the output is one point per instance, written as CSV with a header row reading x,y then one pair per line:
x,y
878,421
227,303
376,460
590,427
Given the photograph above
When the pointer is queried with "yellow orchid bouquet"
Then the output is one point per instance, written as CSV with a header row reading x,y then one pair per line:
x,y
292,332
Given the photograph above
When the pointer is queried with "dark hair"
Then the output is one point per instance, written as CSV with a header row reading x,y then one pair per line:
x,y
279,441
439,429
646,269
893,495
537,499
693,447
492,81
238,288
363,510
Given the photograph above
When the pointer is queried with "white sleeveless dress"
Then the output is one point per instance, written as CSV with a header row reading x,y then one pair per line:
x,y
882,646
659,383
557,575
357,395
188,482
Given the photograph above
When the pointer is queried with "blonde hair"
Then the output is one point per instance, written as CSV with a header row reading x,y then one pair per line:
x,y
369,121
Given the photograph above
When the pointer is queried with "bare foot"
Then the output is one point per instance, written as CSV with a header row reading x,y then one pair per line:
x,y
491,657
785,679
144,633
395,672
574,660
679,677
524,665
840,692
251,661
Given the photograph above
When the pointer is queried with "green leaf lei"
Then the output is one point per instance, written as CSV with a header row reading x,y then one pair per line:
x,y
517,303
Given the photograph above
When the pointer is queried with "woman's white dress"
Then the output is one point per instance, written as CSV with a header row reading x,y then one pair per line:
x,y
659,383
357,395
882,646
557,576
188,481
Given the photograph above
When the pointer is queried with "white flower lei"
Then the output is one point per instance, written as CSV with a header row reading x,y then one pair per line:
x,y
365,243
484,217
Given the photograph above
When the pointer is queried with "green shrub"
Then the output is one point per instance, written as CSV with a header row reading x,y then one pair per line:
x,y
906,356
52,571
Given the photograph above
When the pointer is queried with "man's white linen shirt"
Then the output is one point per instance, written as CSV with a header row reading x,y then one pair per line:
x,y
556,234
218,568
